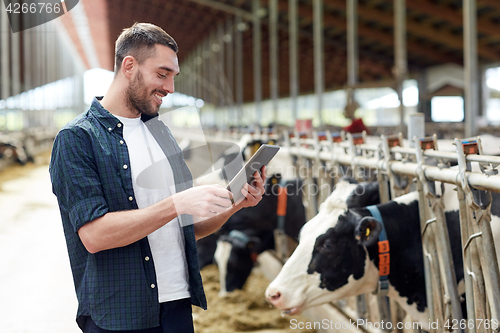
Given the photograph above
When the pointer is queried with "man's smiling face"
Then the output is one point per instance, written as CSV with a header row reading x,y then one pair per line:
x,y
153,80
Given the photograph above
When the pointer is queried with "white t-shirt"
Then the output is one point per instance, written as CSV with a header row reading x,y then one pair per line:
x,y
153,180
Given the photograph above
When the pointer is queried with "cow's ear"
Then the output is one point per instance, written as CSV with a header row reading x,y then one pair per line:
x,y
367,230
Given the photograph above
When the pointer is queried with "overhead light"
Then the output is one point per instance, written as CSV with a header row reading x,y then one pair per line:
x,y
215,47
242,26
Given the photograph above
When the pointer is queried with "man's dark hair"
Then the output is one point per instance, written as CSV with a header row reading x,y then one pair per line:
x,y
139,41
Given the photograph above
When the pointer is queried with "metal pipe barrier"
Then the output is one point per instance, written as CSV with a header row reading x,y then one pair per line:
x,y
396,167
478,215
443,298
483,290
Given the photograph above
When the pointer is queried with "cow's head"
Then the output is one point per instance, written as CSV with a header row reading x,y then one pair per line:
x,y
340,252
235,255
252,232
331,260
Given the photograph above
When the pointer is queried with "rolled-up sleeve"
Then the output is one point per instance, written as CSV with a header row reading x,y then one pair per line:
x,y
75,179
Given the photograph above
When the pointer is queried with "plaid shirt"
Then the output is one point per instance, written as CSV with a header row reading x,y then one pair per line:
x,y
90,173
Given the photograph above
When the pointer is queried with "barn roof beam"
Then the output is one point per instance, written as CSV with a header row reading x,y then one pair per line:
x,y
226,8
419,30
177,13
491,3
340,23
367,63
450,15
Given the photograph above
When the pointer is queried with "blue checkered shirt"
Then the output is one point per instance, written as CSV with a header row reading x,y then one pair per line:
x,y
91,176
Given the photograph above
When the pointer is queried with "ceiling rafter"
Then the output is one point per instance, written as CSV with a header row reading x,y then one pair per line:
x,y
434,35
195,22
225,8
419,30
491,3
451,15
330,20
180,14
306,14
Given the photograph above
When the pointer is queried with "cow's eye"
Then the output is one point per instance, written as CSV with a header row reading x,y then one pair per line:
x,y
327,244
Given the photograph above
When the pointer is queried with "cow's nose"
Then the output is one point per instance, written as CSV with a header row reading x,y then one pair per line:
x,y
273,296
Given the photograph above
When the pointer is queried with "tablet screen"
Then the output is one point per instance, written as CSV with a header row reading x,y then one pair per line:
x,y
262,157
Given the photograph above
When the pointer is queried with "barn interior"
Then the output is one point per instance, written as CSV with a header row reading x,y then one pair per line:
x,y
256,63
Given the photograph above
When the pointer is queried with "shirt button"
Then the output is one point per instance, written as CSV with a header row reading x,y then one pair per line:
x,y
152,285
119,125
121,142
110,129
130,198
147,258
125,166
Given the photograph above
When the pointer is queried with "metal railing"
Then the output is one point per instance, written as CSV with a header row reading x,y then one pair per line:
x,y
392,162
396,167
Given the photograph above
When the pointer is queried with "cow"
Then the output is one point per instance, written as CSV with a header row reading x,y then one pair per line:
x,y
252,229
236,251
247,220
226,166
13,147
337,255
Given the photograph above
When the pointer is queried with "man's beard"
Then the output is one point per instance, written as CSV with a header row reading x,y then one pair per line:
x,y
138,97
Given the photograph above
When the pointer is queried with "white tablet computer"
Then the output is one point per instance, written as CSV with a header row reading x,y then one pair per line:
x,y
261,157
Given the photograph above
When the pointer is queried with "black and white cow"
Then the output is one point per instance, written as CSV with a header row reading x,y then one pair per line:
x,y
13,147
237,251
231,161
337,257
259,221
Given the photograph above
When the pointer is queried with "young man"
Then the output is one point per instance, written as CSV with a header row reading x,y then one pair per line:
x,y
127,201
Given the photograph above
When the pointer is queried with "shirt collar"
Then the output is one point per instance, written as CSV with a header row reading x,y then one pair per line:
x,y
109,120
103,116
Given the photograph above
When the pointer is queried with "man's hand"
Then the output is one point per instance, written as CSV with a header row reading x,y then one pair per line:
x,y
252,196
203,201
253,193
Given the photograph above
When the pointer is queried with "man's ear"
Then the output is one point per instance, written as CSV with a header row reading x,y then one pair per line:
x,y
128,65
367,231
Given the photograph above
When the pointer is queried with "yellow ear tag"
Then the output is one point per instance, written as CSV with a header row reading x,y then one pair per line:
x,y
367,232
274,181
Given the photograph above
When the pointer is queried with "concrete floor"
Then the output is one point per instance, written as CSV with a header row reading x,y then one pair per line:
x,y
36,285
